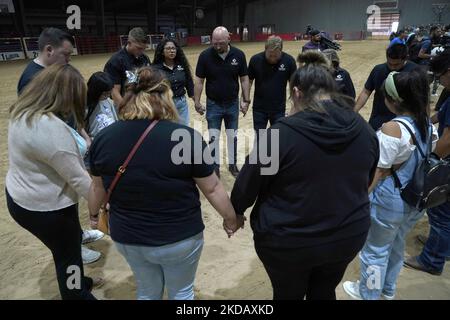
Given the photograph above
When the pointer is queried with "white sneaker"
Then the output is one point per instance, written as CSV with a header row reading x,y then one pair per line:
x,y
388,297
352,289
91,236
89,256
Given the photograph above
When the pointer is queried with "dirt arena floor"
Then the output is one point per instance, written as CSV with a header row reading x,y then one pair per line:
x,y
229,269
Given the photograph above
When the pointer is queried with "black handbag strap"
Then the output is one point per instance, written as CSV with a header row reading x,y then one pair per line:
x,y
397,181
413,136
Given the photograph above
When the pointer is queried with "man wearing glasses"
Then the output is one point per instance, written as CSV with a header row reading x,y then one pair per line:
x,y
223,66
129,58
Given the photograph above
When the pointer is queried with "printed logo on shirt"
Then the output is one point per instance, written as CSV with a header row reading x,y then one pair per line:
x,y
106,109
282,68
339,77
180,68
234,62
131,75
103,121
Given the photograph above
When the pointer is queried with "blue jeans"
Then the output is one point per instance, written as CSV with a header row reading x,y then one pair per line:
x,y
260,118
172,266
215,114
437,247
382,257
183,109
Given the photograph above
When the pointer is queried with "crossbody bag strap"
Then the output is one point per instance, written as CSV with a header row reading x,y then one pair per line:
x,y
124,166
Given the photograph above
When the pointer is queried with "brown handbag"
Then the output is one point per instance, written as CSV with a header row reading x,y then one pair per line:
x,y
103,214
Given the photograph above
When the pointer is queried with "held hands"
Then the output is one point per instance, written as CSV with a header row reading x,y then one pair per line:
x,y
94,221
94,218
200,108
244,107
231,226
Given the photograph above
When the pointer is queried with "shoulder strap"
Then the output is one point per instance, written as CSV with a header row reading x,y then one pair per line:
x,y
124,166
413,136
397,182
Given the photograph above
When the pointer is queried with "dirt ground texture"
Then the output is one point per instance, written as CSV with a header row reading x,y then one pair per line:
x,y
229,269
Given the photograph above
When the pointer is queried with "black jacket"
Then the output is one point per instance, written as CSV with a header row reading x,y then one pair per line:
x,y
320,193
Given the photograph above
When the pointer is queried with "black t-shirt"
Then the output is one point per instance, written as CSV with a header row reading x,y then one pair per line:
x,y
28,74
121,62
222,76
344,82
179,80
444,117
156,202
270,81
380,113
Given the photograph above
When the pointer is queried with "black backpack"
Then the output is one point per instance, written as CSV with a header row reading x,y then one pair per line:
x,y
430,184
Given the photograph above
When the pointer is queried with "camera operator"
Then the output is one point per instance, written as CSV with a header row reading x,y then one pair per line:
x,y
315,43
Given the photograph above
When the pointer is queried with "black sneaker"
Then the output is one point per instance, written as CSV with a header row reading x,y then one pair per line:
x,y
233,170
413,263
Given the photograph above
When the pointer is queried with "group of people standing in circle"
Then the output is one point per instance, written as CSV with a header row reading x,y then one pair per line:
x,y
67,140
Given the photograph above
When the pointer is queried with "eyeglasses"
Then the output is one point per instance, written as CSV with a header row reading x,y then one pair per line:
x,y
170,49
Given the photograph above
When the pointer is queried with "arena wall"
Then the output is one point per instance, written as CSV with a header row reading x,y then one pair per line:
x,y
335,16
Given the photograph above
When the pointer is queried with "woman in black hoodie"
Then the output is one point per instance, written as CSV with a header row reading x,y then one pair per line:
x,y
311,217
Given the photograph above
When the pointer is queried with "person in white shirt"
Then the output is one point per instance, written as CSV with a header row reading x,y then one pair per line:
x,y
46,176
101,111
381,259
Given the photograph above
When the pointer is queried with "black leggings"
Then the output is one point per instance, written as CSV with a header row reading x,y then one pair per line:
x,y
60,232
312,273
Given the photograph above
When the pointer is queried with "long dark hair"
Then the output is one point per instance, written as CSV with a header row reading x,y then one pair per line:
x,y
98,83
180,58
414,89
149,98
314,78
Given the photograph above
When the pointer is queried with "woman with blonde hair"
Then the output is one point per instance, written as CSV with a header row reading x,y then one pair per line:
x,y
155,214
46,175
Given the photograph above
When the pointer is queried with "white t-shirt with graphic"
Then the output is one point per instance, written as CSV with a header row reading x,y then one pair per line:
x,y
103,116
